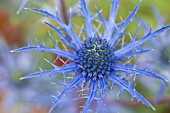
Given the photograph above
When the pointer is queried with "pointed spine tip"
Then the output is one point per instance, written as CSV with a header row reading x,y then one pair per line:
x,y
50,110
12,51
166,80
44,22
154,109
46,60
152,49
18,12
22,78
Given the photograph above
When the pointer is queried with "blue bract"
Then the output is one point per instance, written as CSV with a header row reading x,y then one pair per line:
x,y
98,62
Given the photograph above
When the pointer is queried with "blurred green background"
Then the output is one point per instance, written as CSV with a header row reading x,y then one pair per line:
x,y
22,28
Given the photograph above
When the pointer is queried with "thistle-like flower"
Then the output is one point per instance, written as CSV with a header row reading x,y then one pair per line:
x,y
99,61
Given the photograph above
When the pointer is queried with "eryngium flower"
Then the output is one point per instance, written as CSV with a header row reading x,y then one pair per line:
x,y
98,62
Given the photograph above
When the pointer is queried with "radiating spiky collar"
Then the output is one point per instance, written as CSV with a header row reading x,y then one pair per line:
x,y
94,59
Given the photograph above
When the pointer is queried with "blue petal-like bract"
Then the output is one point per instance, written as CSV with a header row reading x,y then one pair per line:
x,y
87,18
139,42
63,70
130,89
62,37
66,28
99,62
74,83
44,48
125,23
138,71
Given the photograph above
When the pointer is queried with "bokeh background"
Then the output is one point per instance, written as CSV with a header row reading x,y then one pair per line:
x,y
34,95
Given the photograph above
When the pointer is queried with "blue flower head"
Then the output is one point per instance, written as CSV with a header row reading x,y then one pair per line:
x,y
98,62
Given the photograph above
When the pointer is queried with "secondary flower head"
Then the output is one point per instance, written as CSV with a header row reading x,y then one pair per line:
x,y
161,54
98,62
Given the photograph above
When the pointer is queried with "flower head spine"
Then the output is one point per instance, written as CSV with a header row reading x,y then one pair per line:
x,y
24,2
97,60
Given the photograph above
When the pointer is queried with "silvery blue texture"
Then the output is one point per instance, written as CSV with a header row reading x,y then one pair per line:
x,y
98,62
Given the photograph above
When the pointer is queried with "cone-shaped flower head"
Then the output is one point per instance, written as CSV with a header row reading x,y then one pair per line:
x,y
98,62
